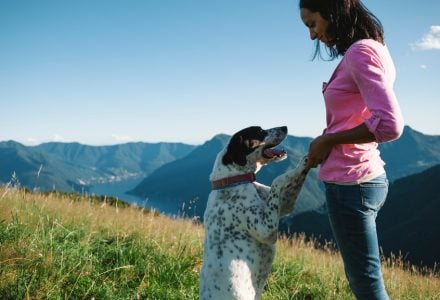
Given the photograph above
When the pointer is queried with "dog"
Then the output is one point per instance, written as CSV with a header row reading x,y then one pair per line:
x,y
242,216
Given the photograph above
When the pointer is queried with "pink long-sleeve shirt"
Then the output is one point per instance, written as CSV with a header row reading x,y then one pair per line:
x,y
361,91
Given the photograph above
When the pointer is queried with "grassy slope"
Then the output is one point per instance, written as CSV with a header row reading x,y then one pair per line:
x,y
63,246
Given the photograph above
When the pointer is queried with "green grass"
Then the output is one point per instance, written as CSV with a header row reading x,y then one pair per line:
x,y
53,260
59,246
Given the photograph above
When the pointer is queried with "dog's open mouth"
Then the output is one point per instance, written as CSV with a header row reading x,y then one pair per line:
x,y
272,153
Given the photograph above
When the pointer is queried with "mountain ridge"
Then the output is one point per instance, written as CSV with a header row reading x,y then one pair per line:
x,y
77,167
402,158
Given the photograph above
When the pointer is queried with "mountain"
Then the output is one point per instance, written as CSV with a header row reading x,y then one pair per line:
x,y
408,223
123,160
77,167
412,153
34,169
186,180
409,220
178,173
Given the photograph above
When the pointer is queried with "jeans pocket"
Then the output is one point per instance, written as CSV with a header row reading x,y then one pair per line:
x,y
374,195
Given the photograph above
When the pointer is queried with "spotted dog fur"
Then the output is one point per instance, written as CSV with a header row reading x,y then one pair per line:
x,y
241,221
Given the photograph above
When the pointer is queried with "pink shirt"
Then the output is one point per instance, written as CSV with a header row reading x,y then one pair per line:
x,y
361,91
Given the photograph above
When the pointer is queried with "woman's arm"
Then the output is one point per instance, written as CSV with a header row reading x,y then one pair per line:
x,y
321,146
373,71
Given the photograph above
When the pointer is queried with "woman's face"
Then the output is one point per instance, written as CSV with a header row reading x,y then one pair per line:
x,y
317,26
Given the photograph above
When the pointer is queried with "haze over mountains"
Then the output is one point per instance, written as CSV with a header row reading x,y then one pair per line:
x,y
177,174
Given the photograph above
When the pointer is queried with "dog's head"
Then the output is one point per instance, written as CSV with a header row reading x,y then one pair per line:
x,y
254,146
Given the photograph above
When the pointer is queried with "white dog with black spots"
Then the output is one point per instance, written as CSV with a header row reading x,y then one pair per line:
x,y
242,216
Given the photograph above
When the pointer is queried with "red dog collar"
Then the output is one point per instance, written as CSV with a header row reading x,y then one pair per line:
x,y
234,180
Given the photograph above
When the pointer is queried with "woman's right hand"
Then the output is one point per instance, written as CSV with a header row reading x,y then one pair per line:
x,y
319,150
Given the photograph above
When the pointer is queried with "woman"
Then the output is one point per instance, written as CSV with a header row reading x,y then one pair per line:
x,y
362,111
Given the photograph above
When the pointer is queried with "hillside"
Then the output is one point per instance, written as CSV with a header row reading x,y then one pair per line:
x,y
65,246
408,223
409,220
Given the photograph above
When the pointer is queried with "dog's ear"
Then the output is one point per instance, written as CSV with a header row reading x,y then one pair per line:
x,y
235,152
238,149
242,143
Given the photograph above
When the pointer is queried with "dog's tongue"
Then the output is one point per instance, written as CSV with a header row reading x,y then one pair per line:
x,y
270,152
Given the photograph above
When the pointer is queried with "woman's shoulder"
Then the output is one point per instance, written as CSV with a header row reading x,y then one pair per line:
x,y
367,54
367,51
366,46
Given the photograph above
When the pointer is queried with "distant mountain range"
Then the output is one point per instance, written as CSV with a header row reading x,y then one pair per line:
x,y
178,174
187,179
185,182
75,167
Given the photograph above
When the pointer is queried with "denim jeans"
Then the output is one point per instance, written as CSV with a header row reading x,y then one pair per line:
x,y
352,211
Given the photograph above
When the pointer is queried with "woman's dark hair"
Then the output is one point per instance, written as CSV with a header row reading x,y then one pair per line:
x,y
349,21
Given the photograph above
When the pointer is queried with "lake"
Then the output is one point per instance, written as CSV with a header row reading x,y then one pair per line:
x,y
119,190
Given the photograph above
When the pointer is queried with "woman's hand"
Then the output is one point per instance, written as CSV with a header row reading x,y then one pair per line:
x,y
320,147
319,150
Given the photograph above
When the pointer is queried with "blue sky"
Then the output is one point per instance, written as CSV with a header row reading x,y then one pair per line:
x,y
103,72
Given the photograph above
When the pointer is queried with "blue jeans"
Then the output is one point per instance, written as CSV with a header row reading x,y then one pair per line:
x,y
352,211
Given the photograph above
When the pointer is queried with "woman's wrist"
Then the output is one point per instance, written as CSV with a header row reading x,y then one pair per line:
x,y
330,139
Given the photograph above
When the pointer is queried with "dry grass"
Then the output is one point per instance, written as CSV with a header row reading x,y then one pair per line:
x,y
301,271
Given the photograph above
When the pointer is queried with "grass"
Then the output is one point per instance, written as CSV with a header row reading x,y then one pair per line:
x,y
56,246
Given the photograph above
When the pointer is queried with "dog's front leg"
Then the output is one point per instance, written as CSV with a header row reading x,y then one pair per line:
x,y
286,187
262,220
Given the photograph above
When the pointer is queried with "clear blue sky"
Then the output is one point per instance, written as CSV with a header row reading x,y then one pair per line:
x,y
104,71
